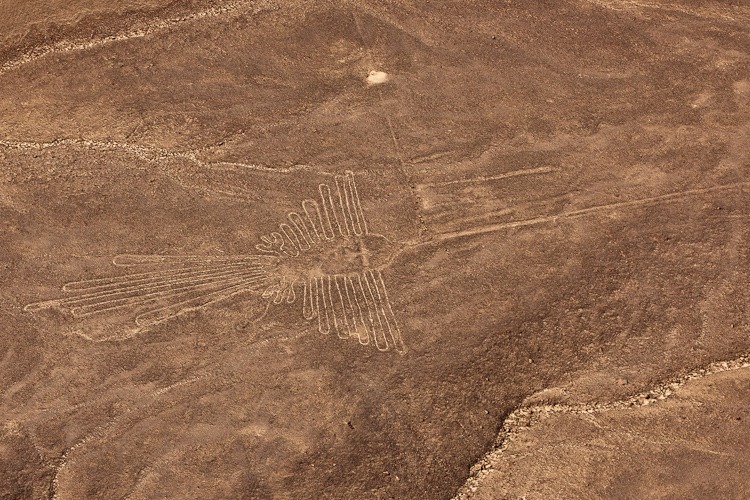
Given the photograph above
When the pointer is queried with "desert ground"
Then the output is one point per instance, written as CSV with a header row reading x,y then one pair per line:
x,y
397,249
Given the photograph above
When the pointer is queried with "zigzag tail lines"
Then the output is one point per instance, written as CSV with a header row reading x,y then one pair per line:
x,y
282,246
166,295
324,326
337,309
385,305
378,327
368,320
347,308
311,218
303,234
351,211
357,204
289,235
332,305
329,209
358,306
361,327
139,288
162,314
341,192
309,299
113,281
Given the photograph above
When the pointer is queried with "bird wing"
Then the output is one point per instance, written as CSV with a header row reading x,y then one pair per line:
x,y
337,213
353,305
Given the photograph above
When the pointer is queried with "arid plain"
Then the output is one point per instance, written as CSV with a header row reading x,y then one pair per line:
x,y
396,249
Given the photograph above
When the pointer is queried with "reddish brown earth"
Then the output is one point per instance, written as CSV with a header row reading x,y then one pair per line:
x,y
556,198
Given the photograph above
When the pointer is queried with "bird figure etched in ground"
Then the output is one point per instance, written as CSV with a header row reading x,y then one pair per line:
x,y
323,259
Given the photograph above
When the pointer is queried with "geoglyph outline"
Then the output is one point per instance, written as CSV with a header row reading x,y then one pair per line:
x,y
352,304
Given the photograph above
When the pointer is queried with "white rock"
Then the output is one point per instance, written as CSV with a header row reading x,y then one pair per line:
x,y
377,77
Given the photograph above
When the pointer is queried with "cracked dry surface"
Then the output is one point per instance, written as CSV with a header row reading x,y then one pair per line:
x,y
552,209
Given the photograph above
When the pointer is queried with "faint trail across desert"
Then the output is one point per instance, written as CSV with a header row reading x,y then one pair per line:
x,y
156,26
655,200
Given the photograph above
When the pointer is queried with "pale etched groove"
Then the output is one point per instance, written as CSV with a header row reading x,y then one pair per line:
x,y
341,192
394,332
362,334
482,178
163,314
127,260
121,286
324,324
330,304
302,234
655,200
141,288
360,214
301,231
171,292
147,153
309,309
329,209
349,312
122,282
156,296
294,244
100,283
339,310
381,342
78,45
526,416
311,219
369,308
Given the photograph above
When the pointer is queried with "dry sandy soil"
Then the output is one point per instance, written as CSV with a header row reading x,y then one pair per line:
x,y
236,263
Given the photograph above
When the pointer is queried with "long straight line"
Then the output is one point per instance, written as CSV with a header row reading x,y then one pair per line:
x,y
506,175
670,197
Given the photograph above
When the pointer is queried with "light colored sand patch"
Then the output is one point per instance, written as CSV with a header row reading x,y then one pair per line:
x,y
377,77
741,87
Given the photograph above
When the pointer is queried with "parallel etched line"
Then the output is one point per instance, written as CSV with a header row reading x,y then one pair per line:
x,y
330,210
324,324
381,341
656,200
160,315
127,260
126,293
128,279
357,204
390,317
361,329
177,292
506,175
309,308
125,285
